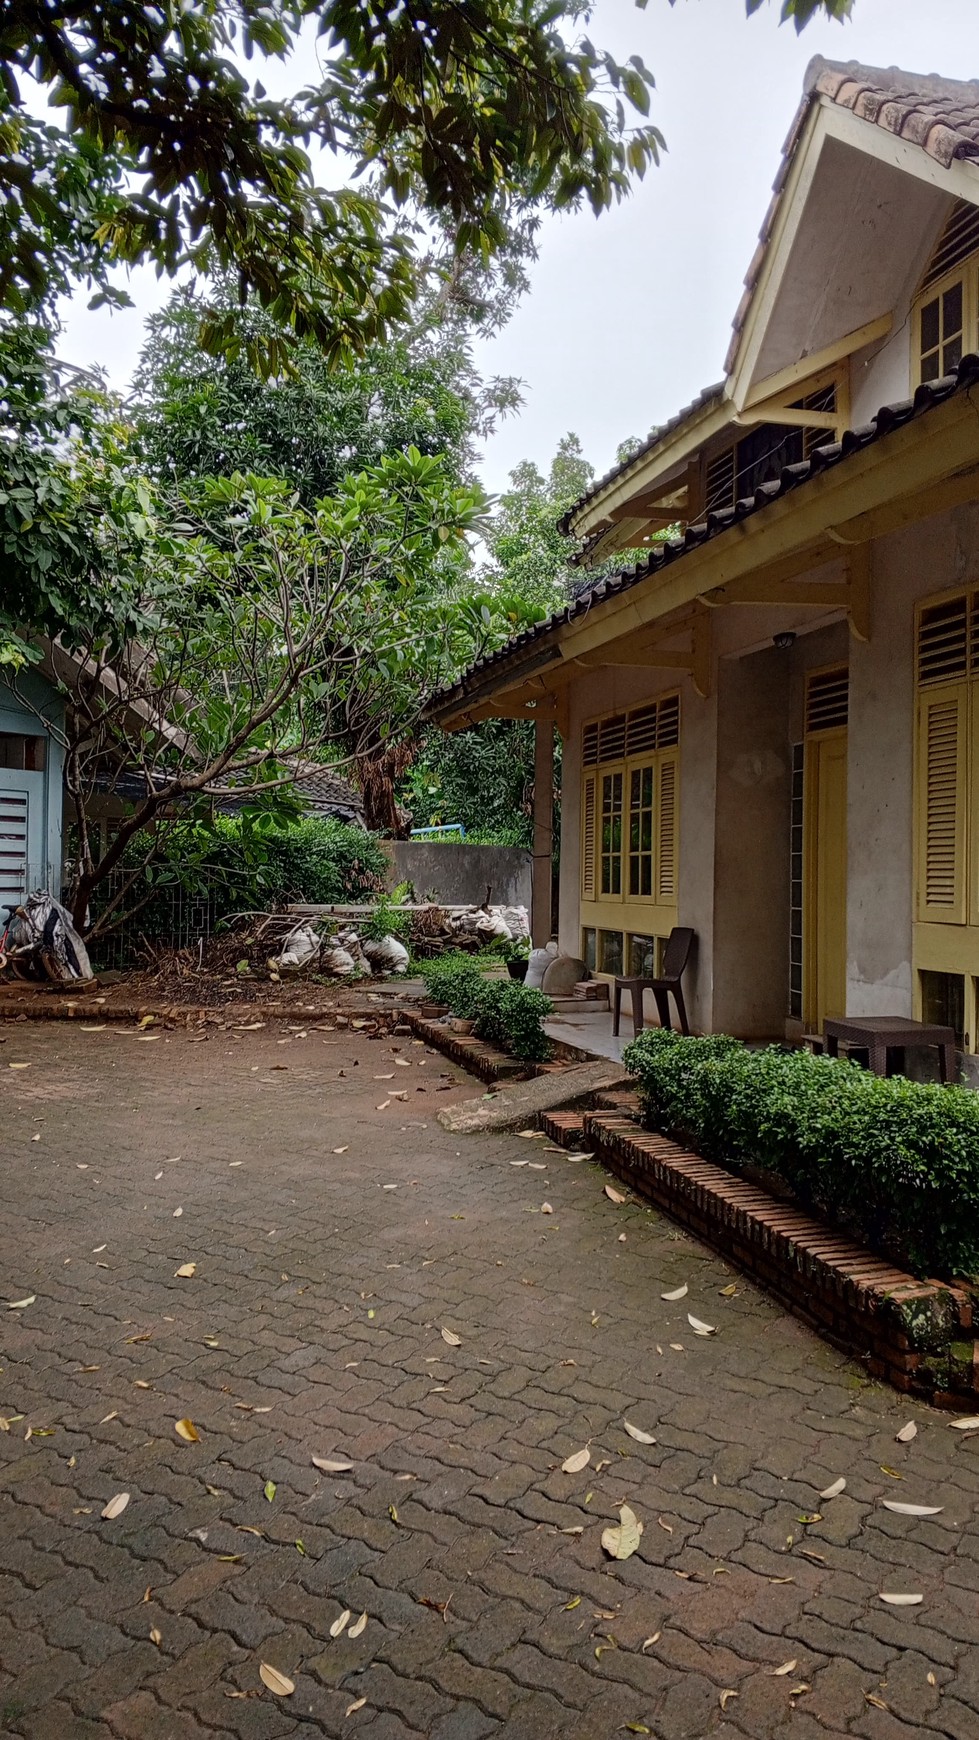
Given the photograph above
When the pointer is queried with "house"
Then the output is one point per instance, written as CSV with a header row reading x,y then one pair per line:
x,y
31,762
770,717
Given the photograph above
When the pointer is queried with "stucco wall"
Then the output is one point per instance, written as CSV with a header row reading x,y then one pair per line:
x,y
926,559
459,875
751,853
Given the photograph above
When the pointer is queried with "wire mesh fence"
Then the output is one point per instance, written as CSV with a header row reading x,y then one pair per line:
x,y
173,918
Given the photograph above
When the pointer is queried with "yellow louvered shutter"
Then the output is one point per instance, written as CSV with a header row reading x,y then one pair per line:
x,y
666,843
588,837
941,803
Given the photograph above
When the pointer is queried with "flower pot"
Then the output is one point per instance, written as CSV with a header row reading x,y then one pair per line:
x,y
517,970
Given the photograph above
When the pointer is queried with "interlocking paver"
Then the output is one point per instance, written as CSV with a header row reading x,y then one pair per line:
x,y
312,1327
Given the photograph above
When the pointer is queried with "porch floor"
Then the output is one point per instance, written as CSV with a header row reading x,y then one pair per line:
x,y
591,1031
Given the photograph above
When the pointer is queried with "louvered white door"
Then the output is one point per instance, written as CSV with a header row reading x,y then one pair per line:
x,y
15,819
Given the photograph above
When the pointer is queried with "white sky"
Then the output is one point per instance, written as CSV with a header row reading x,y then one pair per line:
x,y
629,314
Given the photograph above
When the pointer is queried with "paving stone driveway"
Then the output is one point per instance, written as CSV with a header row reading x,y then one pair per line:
x,y
312,1327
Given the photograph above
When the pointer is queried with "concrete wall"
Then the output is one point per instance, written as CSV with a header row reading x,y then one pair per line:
x,y
459,875
751,851
923,560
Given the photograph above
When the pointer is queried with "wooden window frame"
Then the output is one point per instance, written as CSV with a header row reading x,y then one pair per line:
x,y
651,914
965,273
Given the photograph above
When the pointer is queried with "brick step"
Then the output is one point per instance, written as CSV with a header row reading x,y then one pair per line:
x,y
624,1101
917,1335
565,1129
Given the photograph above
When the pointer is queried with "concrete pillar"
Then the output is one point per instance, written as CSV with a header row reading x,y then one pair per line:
x,y
540,913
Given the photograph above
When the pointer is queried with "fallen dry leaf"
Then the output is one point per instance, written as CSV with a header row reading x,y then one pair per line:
x,y
649,1641
969,1425
156,1637
116,1506
357,1704
450,1336
546,1208
185,1271
574,1464
270,1490
834,1490
680,1293
613,1195
902,1600
636,1432
342,1150
186,1430
107,1417
700,1328
621,1542
905,1435
330,1467
786,1668
726,1697
276,1682
358,1626
341,1623
177,1213
21,1304
729,1291
912,1509
18,1066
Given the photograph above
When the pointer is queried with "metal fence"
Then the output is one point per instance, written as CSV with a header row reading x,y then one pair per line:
x,y
172,918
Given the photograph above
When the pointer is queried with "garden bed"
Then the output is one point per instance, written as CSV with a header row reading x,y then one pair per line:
x,y
916,1335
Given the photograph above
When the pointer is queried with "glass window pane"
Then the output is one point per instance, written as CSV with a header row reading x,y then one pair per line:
x,y
647,785
610,949
952,355
634,875
952,310
930,367
647,876
642,957
930,333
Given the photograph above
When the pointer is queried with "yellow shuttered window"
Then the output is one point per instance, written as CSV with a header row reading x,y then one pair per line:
x,y
629,821
942,788
588,837
666,867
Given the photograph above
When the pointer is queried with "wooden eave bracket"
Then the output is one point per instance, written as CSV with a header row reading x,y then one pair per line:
x,y
648,650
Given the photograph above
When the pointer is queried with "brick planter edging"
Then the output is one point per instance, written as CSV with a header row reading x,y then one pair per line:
x,y
475,1055
916,1335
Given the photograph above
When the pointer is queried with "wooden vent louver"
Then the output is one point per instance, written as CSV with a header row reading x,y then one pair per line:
x,y
611,738
943,641
958,240
941,805
666,878
589,746
588,840
827,697
645,729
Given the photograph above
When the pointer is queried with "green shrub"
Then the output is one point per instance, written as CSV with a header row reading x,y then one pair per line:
x,y
513,1016
894,1162
504,1012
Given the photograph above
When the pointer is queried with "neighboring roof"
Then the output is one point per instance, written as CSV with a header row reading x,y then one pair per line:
x,y
888,418
940,115
323,792
709,396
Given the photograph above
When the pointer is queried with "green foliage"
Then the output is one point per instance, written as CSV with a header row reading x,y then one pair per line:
x,y
505,1012
894,1162
474,116
513,1016
385,920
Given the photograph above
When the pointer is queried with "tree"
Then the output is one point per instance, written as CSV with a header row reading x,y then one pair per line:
x,y
476,113
483,778
249,617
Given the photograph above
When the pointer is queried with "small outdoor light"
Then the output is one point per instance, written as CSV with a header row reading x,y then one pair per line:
x,y
784,640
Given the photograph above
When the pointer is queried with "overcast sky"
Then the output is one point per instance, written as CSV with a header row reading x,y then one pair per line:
x,y
629,314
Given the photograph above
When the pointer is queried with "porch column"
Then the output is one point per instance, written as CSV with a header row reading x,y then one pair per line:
x,y
540,908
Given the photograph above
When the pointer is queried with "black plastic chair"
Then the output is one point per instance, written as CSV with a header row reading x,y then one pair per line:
x,y
675,957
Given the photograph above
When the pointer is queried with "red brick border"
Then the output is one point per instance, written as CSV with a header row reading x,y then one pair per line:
x,y
916,1335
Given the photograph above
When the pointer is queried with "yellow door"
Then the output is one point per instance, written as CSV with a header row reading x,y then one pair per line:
x,y
825,915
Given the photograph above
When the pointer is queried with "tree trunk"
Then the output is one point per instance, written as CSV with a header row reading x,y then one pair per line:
x,y
378,776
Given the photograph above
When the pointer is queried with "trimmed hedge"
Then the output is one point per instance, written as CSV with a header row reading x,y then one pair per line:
x,y
894,1162
505,1012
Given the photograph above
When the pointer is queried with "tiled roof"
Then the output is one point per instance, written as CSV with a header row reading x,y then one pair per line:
x,y
709,396
940,115
888,418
